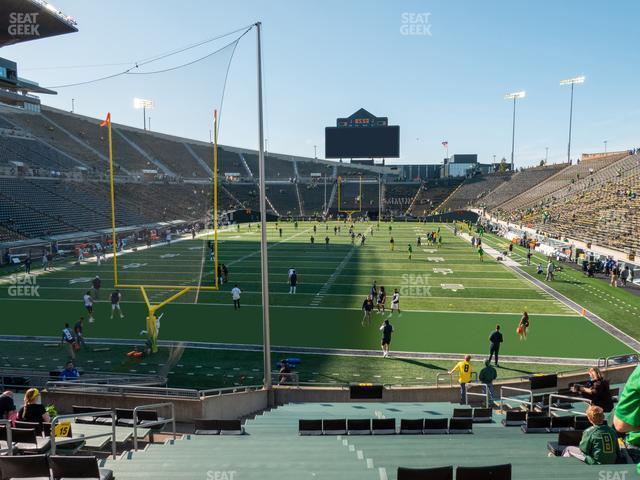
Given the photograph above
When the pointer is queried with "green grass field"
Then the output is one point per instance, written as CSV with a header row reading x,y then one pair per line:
x,y
450,300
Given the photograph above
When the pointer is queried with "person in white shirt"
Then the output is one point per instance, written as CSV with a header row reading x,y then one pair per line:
x,y
395,303
88,304
235,294
45,261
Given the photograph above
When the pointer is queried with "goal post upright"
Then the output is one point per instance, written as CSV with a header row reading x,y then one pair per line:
x,y
151,319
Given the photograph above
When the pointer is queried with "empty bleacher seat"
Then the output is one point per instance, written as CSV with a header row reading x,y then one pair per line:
x,y
411,426
77,467
565,439
383,426
462,413
437,473
495,472
460,425
26,441
581,423
537,425
482,415
305,427
559,424
435,426
359,427
514,418
334,426
27,466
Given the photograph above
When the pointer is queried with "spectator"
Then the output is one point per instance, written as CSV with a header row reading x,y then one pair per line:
x,y
45,262
293,281
550,269
539,269
464,370
32,410
367,308
599,444
285,373
70,372
487,375
596,390
615,274
27,265
624,275
68,341
387,329
235,295
77,330
627,413
7,407
225,273
495,339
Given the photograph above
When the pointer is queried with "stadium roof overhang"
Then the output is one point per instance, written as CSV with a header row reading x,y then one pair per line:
x,y
25,20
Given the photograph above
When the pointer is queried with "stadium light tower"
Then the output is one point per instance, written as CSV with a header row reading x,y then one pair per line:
x,y
571,81
514,96
141,103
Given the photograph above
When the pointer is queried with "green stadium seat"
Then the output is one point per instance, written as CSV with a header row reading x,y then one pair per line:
x,y
497,472
437,473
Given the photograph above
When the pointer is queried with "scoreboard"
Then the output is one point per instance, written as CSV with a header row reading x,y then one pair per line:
x,y
362,135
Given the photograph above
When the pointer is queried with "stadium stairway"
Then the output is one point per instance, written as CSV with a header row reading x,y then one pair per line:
x,y
272,449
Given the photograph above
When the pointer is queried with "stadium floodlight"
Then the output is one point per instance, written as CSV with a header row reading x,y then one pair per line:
x,y
571,81
514,96
141,103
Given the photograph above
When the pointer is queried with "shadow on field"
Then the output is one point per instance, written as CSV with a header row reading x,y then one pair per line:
x,y
419,363
515,370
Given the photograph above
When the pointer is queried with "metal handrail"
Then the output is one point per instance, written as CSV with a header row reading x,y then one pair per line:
x,y
484,394
153,406
571,399
474,377
503,397
7,424
123,389
101,413
631,358
224,391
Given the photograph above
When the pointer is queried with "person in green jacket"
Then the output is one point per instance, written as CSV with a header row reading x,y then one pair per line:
x,y
599,444
487,375
627,413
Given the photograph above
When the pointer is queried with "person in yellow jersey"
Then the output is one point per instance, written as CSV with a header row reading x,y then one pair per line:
x,y
464,370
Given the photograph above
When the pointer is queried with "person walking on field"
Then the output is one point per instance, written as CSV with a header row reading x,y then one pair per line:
x,y
235,295
387,329
293,281
367,308
523,326
495,339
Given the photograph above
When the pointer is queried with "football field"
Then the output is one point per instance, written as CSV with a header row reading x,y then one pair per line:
x,y
450,300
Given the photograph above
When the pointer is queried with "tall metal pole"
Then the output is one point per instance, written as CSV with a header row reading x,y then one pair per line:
x,y
570,122
379,199
264,265
513,132
144,117
325,194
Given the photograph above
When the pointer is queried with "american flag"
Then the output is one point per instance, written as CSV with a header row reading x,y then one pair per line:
x,y
445,144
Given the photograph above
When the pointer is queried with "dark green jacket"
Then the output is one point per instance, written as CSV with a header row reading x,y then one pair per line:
x,y
488,374
600,445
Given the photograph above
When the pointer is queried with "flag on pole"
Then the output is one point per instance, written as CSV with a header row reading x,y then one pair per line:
x,y
445,144
106,120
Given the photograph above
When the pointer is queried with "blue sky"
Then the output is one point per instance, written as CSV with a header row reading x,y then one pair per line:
x,y
325,59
